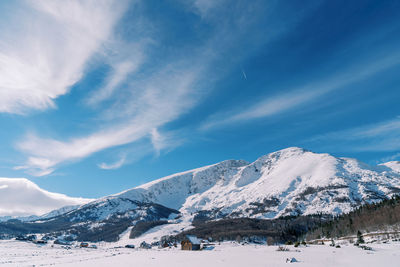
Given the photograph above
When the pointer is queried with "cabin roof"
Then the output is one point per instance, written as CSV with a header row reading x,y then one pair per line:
x,y
193,239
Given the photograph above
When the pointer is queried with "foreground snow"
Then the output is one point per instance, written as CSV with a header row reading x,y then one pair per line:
x,y
14,253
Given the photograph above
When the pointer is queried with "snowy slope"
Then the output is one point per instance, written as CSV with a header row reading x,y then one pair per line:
x,y
58,212
15,253
291,181
287,182
19,197
392,165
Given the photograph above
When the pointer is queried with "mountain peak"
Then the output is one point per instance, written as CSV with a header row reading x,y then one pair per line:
x,y
288,152
293,181
293,149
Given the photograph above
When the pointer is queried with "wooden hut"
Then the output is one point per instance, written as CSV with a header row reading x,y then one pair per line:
x,y
190,242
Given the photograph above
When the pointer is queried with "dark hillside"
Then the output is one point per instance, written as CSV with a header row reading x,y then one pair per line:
x,y
276,230
89,223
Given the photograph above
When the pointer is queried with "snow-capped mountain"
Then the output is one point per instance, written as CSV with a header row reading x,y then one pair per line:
x,y
291,181
50,214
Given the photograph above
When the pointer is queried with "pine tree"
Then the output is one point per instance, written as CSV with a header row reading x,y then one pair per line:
x,y
360,239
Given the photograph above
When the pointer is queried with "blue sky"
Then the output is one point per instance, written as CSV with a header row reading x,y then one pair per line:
x,y
100,96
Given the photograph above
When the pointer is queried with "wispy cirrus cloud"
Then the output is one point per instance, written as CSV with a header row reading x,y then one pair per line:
x,y
390,158
382,136
267,107
166,89
157,140
163,98
292,98
112,166
203,7
165,140
46,46
124,59
119,74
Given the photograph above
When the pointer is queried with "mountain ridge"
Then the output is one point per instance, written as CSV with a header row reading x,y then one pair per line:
x,y
270,177
289,182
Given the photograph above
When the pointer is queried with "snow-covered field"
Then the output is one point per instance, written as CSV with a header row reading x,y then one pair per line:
x,y
15,253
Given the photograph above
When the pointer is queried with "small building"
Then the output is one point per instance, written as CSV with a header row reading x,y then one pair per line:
x,y
190,242
145,245
31,237
21,238
62,242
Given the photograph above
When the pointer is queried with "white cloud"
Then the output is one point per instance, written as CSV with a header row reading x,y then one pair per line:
x,y
157,140
383,128
267,107
381,136
164,96
164,141
46,46
119,74
390,158
204,6
116,165
165,89
21,197
295,97
47,153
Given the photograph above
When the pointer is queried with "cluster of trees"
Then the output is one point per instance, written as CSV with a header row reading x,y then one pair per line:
x,y
254,230
80,222
109,230
379,216
367,218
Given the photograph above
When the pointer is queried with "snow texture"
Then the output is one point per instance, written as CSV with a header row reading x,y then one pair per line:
x,y
14,253
287,182
392,165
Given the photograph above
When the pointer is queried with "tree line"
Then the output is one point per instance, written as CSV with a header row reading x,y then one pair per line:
x,y
379,216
